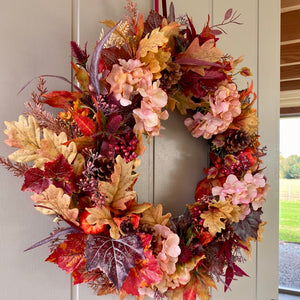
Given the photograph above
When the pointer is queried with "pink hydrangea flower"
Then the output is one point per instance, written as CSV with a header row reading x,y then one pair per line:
x,y
225,106
127,78
251,189
130,78
168,256
203,125
148,116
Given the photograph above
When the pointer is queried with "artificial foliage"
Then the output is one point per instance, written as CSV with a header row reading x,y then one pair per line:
x,y
81,164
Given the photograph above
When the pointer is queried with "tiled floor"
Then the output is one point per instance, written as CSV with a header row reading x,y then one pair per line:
x,y
288,297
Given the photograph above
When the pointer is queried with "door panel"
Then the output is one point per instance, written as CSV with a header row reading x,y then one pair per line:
x,y
35,36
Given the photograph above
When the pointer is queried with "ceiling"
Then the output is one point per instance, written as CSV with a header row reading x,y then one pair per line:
x,y
290,57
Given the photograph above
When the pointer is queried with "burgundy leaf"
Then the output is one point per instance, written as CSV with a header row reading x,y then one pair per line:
x,y
67,188
59,168
114,257
249,226
238,271
195,62
111,55
193,30
35,181
113,123
228,277
228,14
153,21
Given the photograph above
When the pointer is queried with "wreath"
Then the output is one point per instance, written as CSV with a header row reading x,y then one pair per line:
x,y
81,164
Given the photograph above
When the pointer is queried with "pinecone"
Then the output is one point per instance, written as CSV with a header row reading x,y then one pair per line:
x,y
171,75
237,141
100,167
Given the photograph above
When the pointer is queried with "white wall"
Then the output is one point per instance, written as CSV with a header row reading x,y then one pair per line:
x,y
35,37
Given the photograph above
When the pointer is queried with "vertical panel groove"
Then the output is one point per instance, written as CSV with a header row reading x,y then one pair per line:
x,y
75,36
152,183
258,97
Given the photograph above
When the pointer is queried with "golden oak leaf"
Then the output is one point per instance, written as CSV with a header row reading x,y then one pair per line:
x,y
118,191
140,149
156,62
52,146
212,220
260,231
175,294
247,244
24,135
231,211
54,201
170,29
153,215
204,283
101,216
139,208
151,42
82,76
206,52
181,102
199,285
78,164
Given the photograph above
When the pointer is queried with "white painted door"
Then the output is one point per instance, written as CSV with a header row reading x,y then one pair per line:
x,y
35,37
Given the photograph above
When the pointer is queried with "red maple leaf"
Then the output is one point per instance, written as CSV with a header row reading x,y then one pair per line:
x,y
69,255
86,125
60,99
145,272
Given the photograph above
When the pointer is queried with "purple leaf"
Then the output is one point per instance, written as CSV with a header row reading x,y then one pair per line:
x,y
94,69
249,226
228,14
114,257
216,32
171,17
35,181
52,237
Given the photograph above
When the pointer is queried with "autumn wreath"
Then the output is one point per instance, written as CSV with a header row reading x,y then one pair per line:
x,y
81,164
